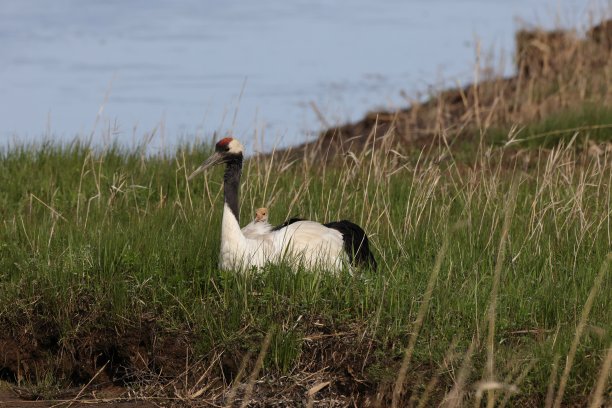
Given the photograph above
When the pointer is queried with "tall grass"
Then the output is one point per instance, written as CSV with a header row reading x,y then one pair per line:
x,y
488,271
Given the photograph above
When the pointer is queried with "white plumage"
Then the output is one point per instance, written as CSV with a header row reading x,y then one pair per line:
x,y
306,243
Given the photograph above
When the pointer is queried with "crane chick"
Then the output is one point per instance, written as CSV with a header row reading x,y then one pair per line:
x,y
259,226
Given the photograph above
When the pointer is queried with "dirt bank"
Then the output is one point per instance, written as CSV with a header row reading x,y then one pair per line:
x,y
555,70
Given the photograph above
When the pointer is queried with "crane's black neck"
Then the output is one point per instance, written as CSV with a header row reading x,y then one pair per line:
x,y
231,183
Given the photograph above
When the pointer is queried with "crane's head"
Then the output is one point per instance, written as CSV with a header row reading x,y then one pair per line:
x,y
226,150
261,214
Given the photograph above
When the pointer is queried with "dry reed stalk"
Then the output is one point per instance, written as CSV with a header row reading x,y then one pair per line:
x,y
602,379
550,391
580,330
76,398
258,365
449,358
231,395
401,376
501,253
454,397
516,383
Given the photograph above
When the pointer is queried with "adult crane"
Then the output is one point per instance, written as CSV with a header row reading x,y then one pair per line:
x,y
309,243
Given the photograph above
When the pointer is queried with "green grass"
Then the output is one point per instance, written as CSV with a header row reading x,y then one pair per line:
x,y
588,123
96,241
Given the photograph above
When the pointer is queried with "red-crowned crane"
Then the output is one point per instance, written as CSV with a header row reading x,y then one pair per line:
x,y
309,243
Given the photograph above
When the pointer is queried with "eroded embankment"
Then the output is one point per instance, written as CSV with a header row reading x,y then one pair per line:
x,y
556,71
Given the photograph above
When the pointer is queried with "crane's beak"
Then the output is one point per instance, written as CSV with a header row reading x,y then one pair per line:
x,y
216,158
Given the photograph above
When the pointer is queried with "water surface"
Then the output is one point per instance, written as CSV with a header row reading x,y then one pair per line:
x,y
75,68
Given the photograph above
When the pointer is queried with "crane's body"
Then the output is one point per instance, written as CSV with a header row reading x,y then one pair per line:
x,y
306,243
298,242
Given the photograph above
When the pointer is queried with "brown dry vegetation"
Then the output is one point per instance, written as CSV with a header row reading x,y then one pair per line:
x,y
557,71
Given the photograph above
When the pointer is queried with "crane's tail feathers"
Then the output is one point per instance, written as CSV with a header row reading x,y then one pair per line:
x,y
356,243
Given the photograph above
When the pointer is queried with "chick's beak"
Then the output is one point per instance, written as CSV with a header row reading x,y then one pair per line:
x,y
214,159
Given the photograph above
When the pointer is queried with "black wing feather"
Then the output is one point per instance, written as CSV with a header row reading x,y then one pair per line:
x,y
356,243
284,224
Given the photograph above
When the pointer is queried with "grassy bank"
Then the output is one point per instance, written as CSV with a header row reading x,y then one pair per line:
x,y
108,272
489,211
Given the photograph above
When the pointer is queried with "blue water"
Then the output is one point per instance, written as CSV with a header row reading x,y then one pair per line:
x,y
175,71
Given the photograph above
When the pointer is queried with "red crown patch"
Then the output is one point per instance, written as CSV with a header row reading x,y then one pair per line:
x,y
224,142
